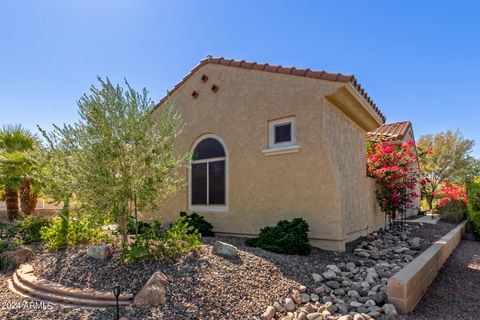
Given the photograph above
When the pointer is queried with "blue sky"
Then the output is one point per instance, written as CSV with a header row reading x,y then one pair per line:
x,y
419,60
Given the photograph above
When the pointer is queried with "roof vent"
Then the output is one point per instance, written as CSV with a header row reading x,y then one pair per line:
x,y
215,88
204,78
195,94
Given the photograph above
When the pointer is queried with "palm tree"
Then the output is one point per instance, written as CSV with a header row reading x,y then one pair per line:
x,y
15,165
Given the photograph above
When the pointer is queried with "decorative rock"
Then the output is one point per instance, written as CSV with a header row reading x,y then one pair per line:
x,y
314,297
269,313
353,293
321,290
302,289
314,316
345,317
355,304
289,304
18,256
334,268
339,292
317,277
389,309
350,265
153,292
304,297
358,316
370,303
333,284
296,296
225,249
342,308
302,316
328,306
362,309
101,252
277,305
329,275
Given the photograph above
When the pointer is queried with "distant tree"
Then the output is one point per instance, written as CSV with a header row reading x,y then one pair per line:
x,y
119,156
17,167
443,157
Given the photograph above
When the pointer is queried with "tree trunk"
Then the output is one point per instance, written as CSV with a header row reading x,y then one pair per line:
x,y
123,228
65,220
33,203
11,200
25,196
430,202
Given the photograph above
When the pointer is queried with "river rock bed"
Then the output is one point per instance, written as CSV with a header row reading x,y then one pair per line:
x,y
358,289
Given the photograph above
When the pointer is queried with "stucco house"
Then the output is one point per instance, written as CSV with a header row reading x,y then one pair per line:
x,y
271,143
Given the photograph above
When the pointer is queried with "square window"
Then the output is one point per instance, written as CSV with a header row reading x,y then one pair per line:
x,y
283,133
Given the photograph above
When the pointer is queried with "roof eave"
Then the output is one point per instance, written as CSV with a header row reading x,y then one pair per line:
x,y
351,103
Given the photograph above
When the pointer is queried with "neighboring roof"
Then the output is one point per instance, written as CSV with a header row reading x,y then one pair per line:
x,y
391,131
337,77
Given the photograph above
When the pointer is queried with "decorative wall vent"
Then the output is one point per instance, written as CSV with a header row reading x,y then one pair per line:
x,y
195,94
215,88
204,78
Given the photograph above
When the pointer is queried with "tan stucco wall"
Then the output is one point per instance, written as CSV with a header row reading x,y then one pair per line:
x,y
324,182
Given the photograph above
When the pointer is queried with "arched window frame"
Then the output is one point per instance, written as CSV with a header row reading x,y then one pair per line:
x,y
215,207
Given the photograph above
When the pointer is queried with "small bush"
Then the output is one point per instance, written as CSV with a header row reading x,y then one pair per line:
x,y
28,228
66,231
6,264
453,211
474,205
197,221
290,237
153,244
142,226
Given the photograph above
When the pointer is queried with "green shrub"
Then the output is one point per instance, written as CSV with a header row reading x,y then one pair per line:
x,y
290,237
197,221
453,211
142,226
474,205
153,244
6,264
66,231
28,228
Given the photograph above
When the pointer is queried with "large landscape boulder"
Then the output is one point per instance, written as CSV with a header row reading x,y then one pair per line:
x,y
153,292
101,252
18,256
225,249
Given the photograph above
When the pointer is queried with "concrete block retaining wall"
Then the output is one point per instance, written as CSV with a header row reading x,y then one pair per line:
x,y
406,287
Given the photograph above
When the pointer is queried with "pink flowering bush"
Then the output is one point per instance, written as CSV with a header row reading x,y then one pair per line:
x,y
450,192
393,168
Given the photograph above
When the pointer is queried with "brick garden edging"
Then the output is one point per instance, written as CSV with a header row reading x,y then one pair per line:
x,y
26,283
406,287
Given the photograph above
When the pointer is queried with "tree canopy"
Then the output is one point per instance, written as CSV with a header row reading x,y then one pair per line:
x,y
118,157
443,157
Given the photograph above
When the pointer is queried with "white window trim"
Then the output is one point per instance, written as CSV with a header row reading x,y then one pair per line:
x,y
281,147
281,150
214,207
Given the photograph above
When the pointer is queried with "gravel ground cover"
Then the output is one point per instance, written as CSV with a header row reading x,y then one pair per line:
x,y
202,285
454,294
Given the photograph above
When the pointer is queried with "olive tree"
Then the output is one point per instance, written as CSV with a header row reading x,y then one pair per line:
x,y
118,158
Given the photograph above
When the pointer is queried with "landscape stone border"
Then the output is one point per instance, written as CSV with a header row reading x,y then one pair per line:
x,y
26,283
406,287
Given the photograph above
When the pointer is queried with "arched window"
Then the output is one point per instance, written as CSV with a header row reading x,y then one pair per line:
x,y
208,170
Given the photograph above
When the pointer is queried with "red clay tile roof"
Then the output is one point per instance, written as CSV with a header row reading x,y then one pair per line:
x,y
337,77
392,131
